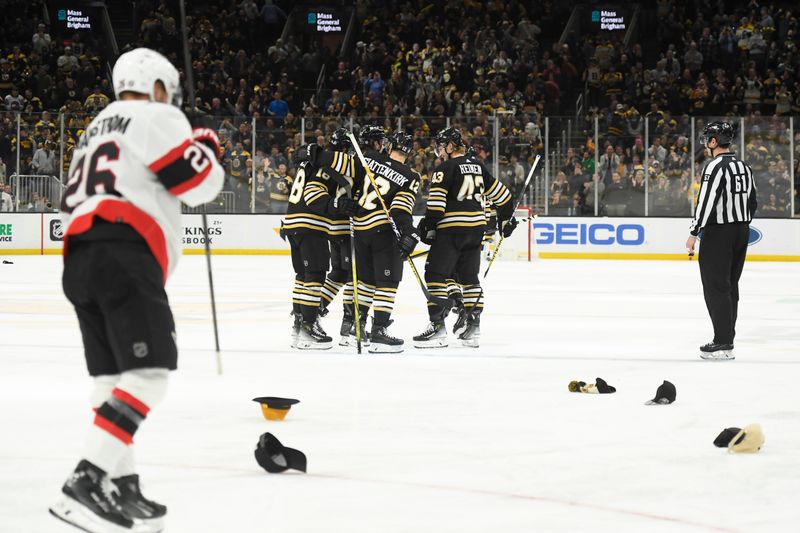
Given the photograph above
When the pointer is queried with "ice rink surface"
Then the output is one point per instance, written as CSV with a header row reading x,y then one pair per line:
x,y
460,439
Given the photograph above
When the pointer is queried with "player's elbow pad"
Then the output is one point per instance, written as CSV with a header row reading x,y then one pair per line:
x,y
208,189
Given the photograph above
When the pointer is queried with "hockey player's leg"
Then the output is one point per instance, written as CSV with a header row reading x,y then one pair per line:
x,y
338,275
715,268
297,313
366,292
388,273
469,331
467,272
435,335
348,317
315,256
91,500
299,286
129,341
438,269
311,335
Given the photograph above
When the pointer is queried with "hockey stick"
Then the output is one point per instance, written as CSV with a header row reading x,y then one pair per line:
x,y
502,237
356,311
516,206
193,106
343,183
444,302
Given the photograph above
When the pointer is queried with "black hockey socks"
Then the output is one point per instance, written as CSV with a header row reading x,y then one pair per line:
x,y
472,293
366,293
437,288
383,304
329,291
307,295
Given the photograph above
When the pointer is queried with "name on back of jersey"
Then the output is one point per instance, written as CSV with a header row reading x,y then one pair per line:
x,y
104,127
470,169
387,172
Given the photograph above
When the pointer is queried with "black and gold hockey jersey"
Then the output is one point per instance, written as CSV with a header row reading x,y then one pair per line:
x,y
460,190
311,203
397,184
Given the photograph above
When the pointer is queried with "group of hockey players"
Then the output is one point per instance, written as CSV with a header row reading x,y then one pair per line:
x,y
135,164
353,211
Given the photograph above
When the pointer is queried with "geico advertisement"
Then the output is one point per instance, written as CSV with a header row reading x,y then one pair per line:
x,y
651,235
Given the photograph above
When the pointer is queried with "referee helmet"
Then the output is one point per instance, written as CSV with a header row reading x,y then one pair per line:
x,y
723,132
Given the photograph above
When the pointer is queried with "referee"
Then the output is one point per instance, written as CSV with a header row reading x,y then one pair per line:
x,y
725,207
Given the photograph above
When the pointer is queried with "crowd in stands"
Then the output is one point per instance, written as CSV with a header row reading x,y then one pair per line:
x,y
712,60
422,65
42,78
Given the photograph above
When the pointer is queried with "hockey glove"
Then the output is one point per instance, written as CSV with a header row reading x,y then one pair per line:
x,y
208,137
427,230
507,226
307,152
408,241
345,206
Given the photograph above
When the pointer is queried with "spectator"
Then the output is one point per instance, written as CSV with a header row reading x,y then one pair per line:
x,y
44,160
14,101
592,190
693,59
278,107
96,101
41,40
6,199
374,87
279,185
616,196
609,163
67,62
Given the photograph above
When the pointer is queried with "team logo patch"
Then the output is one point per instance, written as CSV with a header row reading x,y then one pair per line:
x,y
56,230
140,349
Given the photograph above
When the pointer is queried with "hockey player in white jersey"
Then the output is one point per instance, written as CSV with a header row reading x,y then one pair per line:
x,y
135,163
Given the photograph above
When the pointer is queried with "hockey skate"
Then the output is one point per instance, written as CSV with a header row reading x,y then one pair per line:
x,y
91,502
471,333
136,506
717,352
348,336
298,321
313,337
461,321
434,336
382,342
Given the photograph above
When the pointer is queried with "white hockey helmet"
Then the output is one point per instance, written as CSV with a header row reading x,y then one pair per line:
x,y
139,69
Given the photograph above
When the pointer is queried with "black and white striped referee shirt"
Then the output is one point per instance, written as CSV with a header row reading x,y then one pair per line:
x,y
727,193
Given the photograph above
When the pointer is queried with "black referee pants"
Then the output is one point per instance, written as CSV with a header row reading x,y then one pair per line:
x,y
723,249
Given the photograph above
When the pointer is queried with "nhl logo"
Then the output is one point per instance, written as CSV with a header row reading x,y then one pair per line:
x,y
387,272
140,350
56,230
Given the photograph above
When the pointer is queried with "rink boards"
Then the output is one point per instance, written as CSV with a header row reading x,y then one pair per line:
x,y
550,237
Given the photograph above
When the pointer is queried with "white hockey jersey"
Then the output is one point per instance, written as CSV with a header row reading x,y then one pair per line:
x,y
134,164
